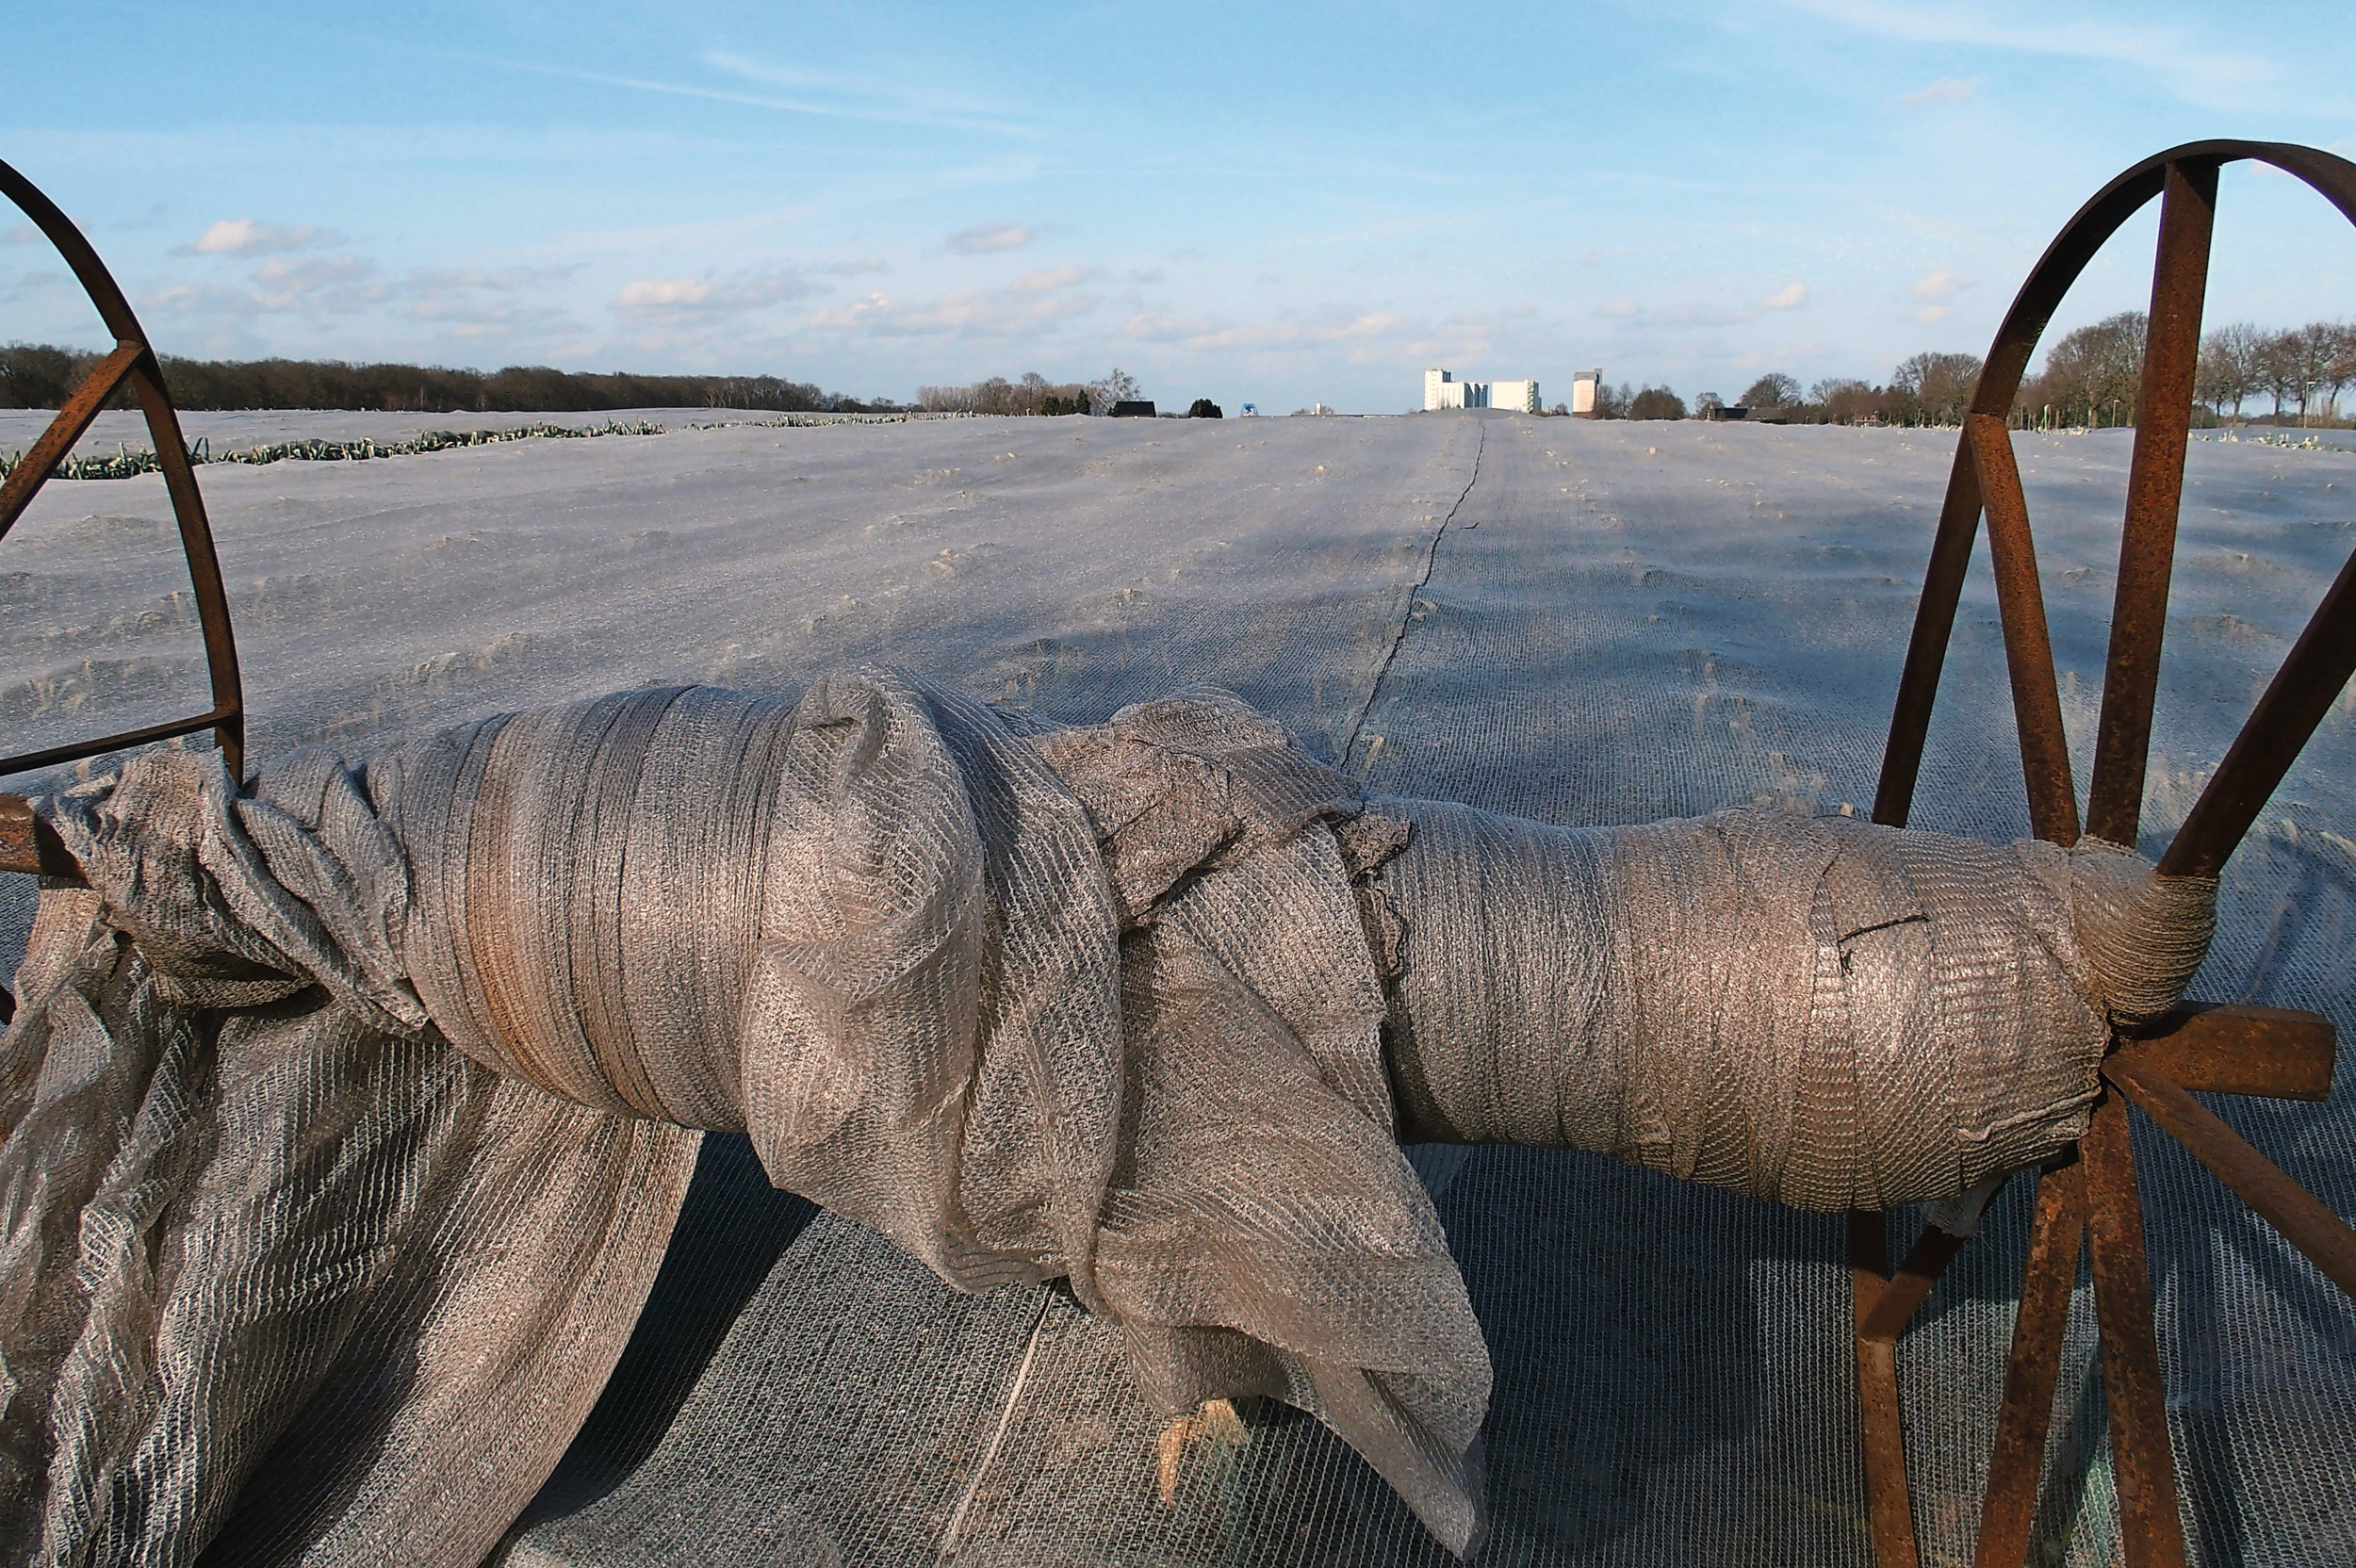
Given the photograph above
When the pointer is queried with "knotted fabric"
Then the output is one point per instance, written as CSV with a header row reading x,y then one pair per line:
x,y
1095,1007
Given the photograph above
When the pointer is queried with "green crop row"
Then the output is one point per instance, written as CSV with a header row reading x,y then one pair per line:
x,y
129,462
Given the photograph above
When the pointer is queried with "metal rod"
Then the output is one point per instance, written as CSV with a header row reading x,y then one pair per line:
x,y
1879,1420
32,470
147,735
2275,1052
2305,1223
196,542
1907,1289
2016,1465
2156,485
1926,649
2028,645
2150,1527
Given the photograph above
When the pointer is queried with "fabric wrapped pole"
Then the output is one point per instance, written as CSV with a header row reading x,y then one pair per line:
x,y
1104,1006
1819,1011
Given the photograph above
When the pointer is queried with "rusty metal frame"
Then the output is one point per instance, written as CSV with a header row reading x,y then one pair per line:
x,y
2089,1200
133,360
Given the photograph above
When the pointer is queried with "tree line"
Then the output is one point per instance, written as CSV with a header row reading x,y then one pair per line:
x,y
1036,393
2090,377
43,376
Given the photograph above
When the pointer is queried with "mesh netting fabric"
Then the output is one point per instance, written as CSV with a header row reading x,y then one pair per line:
x,y
875,932
275,1260
1101,1006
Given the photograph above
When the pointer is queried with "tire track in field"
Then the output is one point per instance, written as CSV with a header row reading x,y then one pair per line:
x,y
1350,759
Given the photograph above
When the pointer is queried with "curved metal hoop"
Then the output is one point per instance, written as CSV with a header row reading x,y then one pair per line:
x,y
2093,1200
1984,476
133,361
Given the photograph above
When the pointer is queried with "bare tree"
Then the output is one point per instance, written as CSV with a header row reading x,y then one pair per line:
x,y
2339,363
1772,390
2093,374
1935,388
2278,367
1119,386
2227,372
1844,401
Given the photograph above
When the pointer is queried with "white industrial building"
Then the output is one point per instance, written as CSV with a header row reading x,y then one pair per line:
x,y
1443,390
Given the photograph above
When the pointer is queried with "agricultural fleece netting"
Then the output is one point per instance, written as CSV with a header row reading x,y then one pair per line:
x,y
1669,1361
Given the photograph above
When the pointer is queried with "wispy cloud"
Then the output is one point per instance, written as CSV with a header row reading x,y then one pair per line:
x,y
895,95
709,296
1791,296
1934,288
859,268
982,239
1364,334
2196,69
1030,303
243,237
24,234
890,114
1936,284
1947,90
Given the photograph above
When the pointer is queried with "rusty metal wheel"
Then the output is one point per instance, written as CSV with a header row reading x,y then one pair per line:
x,y
2092,1199
133,361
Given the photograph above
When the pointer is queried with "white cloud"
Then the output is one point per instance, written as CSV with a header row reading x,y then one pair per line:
x,y
982,239
1947,90
706,296
858,268
243,237
1623,307
24,234
1789,297
1930,314
1936,284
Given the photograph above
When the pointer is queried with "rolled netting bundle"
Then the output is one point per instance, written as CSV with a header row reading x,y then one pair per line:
x,y
1145,1007
1813,1010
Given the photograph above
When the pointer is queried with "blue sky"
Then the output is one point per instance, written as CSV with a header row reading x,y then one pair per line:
x,y
1273,203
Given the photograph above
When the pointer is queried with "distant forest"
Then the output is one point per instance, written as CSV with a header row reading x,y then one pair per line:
x,y
40,376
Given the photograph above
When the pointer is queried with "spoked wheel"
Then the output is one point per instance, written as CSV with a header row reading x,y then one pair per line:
x,y
133,361
2090,1197
26,844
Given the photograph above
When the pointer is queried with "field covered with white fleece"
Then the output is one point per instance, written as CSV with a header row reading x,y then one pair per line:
x,y
1584,623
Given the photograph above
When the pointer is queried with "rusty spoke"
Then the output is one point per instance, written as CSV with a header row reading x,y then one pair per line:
x,y
2016,1465
2301,1217
1926,649
2028,645
1887,1497
2152,1528
32,470
2156,483
2274,1051
1907,1289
